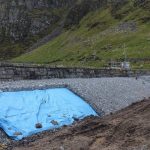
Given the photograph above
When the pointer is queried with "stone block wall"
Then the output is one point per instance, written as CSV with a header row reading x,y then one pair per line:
x,y
10,71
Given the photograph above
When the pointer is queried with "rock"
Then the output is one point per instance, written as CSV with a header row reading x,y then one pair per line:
x,y
3,147
55,123
79,10
62,148
17,133
38,125
143,3
75,119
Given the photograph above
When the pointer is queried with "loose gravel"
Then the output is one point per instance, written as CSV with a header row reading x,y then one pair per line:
x,y
104,94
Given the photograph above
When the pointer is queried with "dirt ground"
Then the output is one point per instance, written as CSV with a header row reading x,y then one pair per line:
x,y
128,129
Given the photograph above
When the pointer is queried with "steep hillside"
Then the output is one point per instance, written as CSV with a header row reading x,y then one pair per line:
x,y
98,35
23,22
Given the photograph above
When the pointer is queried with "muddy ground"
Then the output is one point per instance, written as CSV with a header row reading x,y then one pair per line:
x,y
128,129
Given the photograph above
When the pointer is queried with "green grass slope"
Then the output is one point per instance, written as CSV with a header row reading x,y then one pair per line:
x,y
98,39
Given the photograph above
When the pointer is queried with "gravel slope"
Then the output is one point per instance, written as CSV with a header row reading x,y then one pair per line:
x,y
104,94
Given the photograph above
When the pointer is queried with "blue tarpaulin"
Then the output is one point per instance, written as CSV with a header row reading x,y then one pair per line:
x,y
51,108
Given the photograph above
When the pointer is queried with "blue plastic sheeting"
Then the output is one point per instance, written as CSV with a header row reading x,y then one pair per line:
x,y
21,111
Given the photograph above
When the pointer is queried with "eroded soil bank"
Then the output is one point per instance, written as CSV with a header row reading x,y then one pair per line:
x,y
128,129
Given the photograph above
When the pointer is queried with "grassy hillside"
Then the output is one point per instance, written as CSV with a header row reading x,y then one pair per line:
x,y
100,37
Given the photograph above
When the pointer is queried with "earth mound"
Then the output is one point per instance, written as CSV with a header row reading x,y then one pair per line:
x,y
127,129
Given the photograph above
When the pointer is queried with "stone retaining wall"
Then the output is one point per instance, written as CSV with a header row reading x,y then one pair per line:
x,y
27,71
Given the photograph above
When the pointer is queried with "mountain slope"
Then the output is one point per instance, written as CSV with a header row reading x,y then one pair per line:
x,y
23,22
101,35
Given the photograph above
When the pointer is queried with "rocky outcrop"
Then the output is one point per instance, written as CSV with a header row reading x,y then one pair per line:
x,y
20,18
81,9
24,22
143,3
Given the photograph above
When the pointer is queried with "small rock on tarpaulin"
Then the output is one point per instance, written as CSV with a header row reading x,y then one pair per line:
x,y
38,125
54,122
